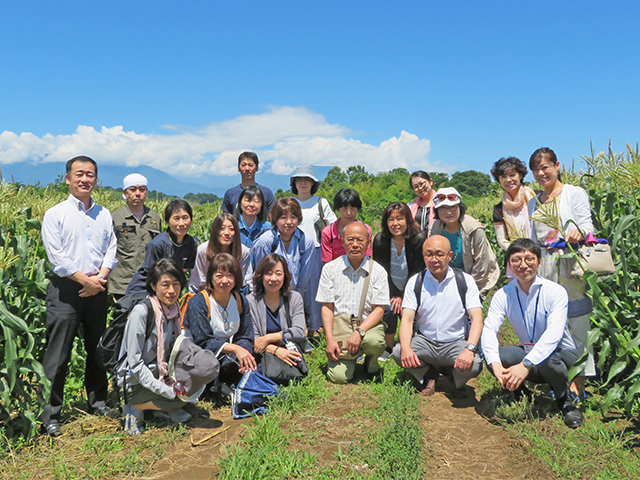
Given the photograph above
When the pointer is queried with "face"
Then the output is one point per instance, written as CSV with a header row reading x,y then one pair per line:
x,y
180,222
524,265
135,195
82,179
437,255
226,233
304,184
421,186
274,279
356,242
510,180
223,281
348,213
287,224
397,223
247,169
546,172
251,206
449,214
167,289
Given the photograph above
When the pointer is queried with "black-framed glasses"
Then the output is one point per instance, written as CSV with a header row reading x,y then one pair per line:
x,y
517,261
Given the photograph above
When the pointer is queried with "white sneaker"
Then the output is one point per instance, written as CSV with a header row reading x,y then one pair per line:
x,y
181,416
385,357
133,420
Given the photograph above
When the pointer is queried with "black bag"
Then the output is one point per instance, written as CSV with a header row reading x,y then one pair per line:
x,y
111,340
277,370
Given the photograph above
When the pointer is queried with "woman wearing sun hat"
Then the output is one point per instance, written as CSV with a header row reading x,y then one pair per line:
x,y
316,214
472,251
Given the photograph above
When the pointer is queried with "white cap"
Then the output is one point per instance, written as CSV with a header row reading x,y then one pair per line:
x,y
441,198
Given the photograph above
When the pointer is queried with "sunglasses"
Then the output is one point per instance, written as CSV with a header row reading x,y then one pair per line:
x,y
451,197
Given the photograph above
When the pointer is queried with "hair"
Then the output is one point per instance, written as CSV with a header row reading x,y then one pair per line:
x,y
249,156
267,263
463,210
501,166
214,240
226,263
419,173
294,189
412,227
283,206
164,266
347,197
174,206
540,154
80,158
522,245
250,192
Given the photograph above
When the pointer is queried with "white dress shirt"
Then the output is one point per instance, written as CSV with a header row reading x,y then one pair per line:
x,y
550,319
77,239
440,316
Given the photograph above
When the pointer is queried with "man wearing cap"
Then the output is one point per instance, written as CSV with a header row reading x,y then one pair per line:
x,y
247,166
81,246
135,225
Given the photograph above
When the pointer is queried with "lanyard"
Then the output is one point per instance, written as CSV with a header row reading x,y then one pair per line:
x,y
535,315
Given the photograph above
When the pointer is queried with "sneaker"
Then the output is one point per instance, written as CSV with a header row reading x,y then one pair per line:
x,y
573,417
429,388
133,420
181,416
53,429
385,357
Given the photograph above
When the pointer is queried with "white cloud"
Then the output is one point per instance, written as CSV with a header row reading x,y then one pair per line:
x,y
283,136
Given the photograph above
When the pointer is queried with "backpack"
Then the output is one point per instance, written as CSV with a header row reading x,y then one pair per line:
x,y
184,301
462,291
111,340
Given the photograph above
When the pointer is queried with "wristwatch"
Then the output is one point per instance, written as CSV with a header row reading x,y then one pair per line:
x,y
361,332
527,363
472,347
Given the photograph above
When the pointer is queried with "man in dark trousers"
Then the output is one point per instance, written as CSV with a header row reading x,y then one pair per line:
x,y
81,247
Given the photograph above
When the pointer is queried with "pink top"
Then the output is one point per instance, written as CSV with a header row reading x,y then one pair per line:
x,y
332,247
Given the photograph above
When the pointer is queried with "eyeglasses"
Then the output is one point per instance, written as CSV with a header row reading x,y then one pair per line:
x,y
419,186
451,197
360,240
438,255
225,317
517,261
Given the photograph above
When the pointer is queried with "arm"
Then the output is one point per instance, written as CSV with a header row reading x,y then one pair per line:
x,y
408,357
325,241
501,235
247,268
304,281
262,247
329,215
373,319
581,213
465,359
199,274
556,323
332,349
242,345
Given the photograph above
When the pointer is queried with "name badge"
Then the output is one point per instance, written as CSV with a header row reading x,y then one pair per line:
x,y
528,347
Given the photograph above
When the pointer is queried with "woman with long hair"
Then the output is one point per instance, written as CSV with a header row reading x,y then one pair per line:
x,y
471,249
224,238
563,211
422,210
398,248
274,309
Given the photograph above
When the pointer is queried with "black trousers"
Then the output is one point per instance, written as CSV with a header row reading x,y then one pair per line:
x,y
66,311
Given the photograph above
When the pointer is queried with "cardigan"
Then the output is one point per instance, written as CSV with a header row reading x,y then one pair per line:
x,y
258,308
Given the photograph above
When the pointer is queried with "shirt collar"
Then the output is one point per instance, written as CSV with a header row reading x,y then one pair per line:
x,y
79,204
363,266
537,284
449,274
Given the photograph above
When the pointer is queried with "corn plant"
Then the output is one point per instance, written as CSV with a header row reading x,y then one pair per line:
x,y
22,316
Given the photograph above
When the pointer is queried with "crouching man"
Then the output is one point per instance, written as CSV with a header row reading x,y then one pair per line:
x,y
537,311
438,301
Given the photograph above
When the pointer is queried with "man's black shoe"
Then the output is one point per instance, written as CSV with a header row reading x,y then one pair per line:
x,y
53,429
572,416
105,411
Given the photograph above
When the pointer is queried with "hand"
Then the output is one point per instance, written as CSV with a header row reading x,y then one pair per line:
x,y
287,356
260,344
396,305
464,360
515,375
408,358
91,286
333,350
573,235
353,343
498,372
245,359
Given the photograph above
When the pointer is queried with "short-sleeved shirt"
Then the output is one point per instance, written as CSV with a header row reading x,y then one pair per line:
x,y
133,234
231,196
341,285
440,316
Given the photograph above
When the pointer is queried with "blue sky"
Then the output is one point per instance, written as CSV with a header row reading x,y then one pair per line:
x,y
185,86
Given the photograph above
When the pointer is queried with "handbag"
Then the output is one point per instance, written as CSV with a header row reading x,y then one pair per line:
x,y
596,257
345,324
321,222
278,370
251,394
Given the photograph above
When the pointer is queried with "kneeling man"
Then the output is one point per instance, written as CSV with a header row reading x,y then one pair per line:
x,y
439,306
537,311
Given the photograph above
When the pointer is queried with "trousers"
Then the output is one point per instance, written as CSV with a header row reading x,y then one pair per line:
x,y
372,346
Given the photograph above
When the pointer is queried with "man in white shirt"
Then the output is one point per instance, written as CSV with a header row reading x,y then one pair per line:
x,y
81,246
537,311
442,336
340,289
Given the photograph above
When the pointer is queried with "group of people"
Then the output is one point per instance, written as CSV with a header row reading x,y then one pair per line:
x,y
291,265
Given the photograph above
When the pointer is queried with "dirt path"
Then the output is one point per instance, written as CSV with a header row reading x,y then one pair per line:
x,y
465,445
